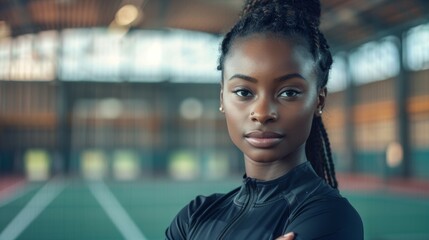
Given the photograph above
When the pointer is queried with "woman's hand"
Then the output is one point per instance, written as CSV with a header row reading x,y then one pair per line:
x,y
288,236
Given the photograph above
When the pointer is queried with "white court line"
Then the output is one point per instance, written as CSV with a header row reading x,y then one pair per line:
x,y
33,208
21,191
115,211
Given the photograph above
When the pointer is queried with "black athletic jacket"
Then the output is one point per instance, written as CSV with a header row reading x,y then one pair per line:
x,y
299,202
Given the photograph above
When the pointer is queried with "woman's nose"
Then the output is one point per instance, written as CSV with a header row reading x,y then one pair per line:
x,y
265,111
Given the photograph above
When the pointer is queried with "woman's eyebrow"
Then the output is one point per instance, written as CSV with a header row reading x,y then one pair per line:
x,y
282,78
244,77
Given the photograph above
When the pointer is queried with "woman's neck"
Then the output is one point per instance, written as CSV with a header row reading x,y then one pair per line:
x,y
266,171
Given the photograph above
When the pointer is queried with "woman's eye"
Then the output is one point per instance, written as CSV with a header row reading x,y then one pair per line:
x,y
289,93
243,93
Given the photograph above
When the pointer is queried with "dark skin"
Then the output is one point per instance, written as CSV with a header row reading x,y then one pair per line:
x,y
270,96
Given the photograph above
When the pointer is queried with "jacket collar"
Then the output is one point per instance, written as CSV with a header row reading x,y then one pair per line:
x,y
264,192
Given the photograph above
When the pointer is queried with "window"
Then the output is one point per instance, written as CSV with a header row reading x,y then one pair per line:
x,y
417,48
375,61
5,46
193,57
338,74
140,56
29,57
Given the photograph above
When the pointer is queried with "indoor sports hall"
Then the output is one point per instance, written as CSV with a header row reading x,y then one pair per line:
x,y
110,122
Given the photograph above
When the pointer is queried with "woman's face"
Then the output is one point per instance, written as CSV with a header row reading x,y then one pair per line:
x,y
270,96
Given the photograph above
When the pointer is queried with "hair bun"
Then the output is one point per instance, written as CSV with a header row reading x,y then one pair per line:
x,y
308,9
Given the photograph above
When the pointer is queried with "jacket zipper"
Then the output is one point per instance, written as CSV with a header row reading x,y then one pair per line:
x,y
248,204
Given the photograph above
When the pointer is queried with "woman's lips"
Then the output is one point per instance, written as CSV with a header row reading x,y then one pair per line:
x,y
260,139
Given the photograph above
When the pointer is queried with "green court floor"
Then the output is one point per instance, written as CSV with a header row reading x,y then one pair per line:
x,y
75,209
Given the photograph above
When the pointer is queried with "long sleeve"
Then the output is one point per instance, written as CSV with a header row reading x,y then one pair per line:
x,y
326,218
179,227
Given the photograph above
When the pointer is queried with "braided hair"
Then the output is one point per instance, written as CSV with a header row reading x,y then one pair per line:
x,y
297,20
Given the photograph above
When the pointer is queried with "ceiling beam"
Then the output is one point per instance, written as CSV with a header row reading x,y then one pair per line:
x,y
27,25
424,4
346,12
164,6
396,30
385,29
374,24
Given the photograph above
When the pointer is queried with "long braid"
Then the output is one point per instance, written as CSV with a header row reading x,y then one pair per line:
x,y
313,149
328,156
318,150
297,20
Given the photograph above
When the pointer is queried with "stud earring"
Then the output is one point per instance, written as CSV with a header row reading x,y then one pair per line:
x,y
221,109
320,111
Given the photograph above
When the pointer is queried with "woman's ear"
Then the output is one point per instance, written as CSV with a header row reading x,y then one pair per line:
x,y
221,109
321,99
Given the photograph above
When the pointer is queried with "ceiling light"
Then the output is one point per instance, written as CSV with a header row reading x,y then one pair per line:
x,y
4,29
126,15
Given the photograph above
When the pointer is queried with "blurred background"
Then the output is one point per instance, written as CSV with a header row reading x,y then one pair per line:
x,y
109,120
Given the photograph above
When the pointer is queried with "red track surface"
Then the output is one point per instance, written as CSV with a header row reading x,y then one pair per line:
x,y
8,185
349,182
359,182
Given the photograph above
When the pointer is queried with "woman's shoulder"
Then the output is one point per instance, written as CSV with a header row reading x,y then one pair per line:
x,y
324,211
330,216
310,189
327,203
317,194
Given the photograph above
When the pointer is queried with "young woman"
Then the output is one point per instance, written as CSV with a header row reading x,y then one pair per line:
x,y
275,64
